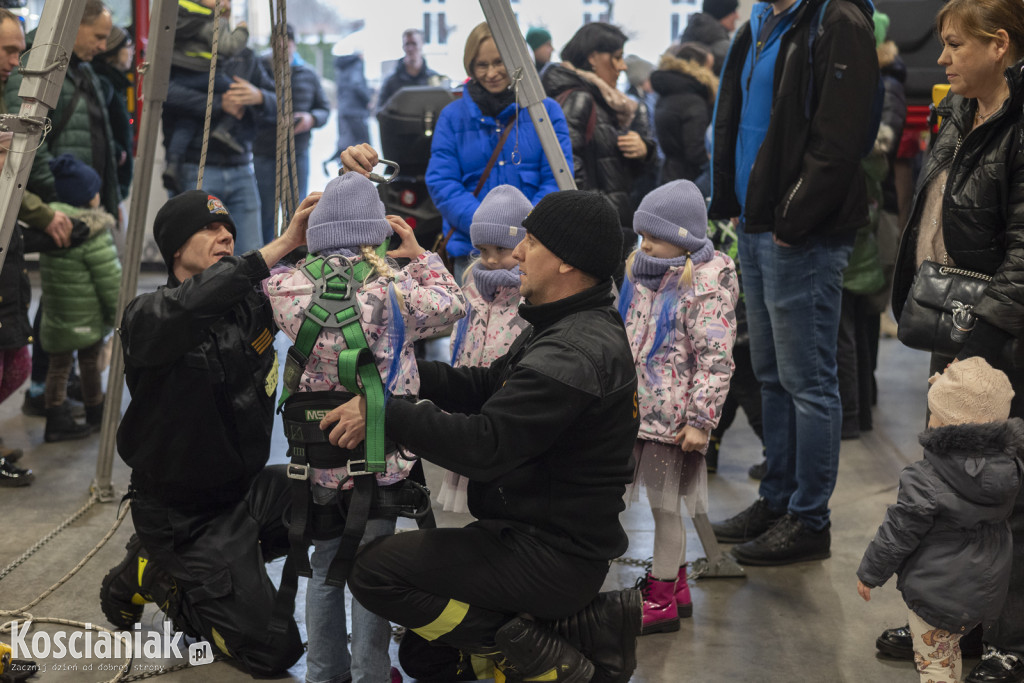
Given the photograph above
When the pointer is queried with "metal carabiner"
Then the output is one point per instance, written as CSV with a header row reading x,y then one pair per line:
x,y
381,177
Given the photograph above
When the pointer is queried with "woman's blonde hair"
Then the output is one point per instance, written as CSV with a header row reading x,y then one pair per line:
x,y
480,34
980,19
685,277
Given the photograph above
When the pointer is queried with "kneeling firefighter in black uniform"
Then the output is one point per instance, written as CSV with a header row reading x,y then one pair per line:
x,y
545,437
202,371
353,315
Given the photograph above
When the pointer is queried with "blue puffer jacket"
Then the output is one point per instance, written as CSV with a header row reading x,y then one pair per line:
x,y
464,140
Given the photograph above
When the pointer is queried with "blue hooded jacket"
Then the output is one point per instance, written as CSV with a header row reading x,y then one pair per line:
x,y
464,140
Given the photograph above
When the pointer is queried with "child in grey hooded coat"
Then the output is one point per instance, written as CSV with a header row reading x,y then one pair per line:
x,y
947,536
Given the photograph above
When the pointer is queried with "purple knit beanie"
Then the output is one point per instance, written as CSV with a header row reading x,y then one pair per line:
x,y
499,218
676,213
349,215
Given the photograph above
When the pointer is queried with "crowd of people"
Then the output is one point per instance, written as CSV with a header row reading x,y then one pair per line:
x,y
733,242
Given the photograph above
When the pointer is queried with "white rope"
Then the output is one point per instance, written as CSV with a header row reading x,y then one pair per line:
x,y
209,94
286,184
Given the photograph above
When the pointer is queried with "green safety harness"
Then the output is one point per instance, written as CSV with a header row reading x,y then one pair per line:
x,y
334,305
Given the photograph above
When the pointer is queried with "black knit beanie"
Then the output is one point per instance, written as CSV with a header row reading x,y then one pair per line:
x,y
720,9
183,216
581,228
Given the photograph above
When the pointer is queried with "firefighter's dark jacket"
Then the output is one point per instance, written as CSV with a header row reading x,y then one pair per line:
x,y
807,179
202,372
546,433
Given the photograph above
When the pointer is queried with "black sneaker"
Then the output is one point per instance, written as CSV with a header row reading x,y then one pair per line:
x,y
12,476
789,541
997,666
746,525
759,470
127,588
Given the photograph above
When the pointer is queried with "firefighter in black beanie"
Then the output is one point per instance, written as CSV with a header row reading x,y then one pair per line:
x,y
545,437
202,371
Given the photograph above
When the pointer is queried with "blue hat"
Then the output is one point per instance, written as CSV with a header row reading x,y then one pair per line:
x,y
349,215
75,182
499,218
676,213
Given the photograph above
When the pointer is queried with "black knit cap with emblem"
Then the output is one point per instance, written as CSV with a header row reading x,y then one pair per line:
x,y
183,216
581,228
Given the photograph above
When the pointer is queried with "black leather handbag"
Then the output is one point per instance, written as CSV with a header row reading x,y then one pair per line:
x,y
939,313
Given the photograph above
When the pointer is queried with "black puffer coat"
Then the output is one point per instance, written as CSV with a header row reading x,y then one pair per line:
x,y
982,211
686,98
599,165
947,536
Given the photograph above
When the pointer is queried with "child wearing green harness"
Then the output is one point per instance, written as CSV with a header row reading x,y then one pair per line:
x,y
353,315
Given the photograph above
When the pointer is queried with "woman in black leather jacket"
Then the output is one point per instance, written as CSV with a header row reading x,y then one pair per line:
x,y
611,145
968,211
969,206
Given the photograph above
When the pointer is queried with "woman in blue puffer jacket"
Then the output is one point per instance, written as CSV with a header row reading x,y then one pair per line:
x,y
466,134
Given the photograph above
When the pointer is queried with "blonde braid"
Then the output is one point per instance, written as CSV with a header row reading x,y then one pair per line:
x,y
686,277
380,266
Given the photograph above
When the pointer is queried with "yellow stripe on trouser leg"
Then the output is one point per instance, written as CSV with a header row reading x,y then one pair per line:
x,y
452,615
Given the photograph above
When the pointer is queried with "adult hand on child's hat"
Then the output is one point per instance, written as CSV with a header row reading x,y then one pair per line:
x,y
409,248
359,158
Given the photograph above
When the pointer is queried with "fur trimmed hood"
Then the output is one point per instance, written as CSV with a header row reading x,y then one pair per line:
x,y
697,72
981,462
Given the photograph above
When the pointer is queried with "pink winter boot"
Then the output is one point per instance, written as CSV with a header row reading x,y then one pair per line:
x,y
660,612
684,604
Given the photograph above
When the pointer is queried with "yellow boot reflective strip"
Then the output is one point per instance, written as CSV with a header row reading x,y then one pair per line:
x,y
453,614
218,640
550,675
138,598
483,667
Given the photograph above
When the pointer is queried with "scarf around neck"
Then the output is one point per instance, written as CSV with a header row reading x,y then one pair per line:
x,y
624,107
491,104
488,282
648,270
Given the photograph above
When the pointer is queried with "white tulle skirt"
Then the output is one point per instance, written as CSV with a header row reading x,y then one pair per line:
x,y
674,480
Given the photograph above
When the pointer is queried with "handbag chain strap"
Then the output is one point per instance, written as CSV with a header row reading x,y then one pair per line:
x,y
946,270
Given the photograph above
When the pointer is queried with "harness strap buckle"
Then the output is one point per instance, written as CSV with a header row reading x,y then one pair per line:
x,y
360,468
300,472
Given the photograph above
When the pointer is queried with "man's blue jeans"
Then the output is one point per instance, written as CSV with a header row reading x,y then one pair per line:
x,y
236,187
793,297
266,180
327,658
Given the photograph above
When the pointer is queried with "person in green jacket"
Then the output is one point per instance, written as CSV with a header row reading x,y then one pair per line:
x,y
80,288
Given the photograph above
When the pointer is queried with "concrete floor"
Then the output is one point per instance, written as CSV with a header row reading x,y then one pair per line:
x,y
799,623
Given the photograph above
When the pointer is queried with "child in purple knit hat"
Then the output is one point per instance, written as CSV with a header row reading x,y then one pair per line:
x,y
396,306
678,303
491,286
